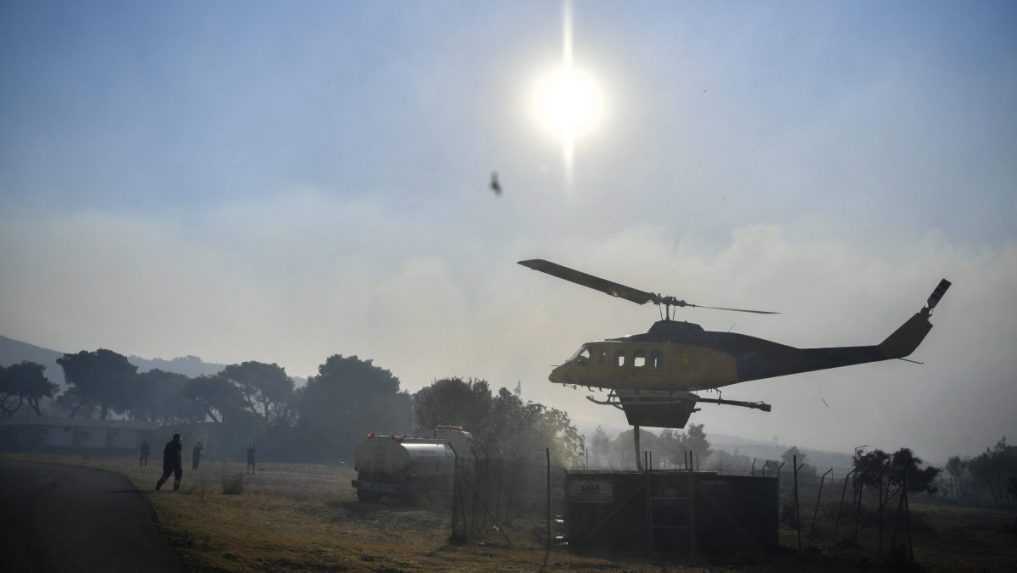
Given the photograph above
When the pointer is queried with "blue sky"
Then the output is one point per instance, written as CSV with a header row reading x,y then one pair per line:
x,y
280,181
142,106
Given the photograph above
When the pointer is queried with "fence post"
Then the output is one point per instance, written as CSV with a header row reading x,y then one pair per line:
x,y
907,519
455,537
648,508
547,452
859,491
692,509
843,494
639,451
819,501
798,521
882,487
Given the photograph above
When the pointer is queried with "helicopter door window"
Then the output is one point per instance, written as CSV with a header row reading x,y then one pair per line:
x,y
620,359
655,359
602,357
639,359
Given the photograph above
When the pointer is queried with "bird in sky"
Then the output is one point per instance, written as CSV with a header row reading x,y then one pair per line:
x,y
495,185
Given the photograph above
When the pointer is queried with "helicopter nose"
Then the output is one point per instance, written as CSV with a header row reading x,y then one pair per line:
x,y
558,376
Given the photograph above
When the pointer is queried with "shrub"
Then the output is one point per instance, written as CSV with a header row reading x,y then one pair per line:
x,y
233,484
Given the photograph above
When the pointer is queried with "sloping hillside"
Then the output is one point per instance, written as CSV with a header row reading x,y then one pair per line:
x,y
13,351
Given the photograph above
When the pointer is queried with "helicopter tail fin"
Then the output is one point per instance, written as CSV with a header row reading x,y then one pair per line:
x,y
906,339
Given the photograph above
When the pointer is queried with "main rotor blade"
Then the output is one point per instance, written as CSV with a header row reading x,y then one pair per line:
x,y
731,309
580,278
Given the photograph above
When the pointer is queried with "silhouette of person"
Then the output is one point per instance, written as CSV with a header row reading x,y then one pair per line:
x,y
172,463
143,455
196,456
250,459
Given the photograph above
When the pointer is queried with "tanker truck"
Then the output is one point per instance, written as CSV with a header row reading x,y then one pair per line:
x,y
411,467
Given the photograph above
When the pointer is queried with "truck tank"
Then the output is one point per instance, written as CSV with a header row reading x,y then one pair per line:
x,y
409,467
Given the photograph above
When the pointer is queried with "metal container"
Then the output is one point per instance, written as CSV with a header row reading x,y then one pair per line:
x,y
405,467
687,513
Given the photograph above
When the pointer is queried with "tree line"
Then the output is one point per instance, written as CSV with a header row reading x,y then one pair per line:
x,y
669,448
503,426
322,420
24,384
990,478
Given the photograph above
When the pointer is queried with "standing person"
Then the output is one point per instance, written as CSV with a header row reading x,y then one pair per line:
x,y
172,463
143,455
250,458
196,456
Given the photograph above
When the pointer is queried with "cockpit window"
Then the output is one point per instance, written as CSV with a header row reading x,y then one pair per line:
x,y
581,357
602,357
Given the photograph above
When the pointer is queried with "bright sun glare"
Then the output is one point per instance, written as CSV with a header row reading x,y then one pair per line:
x,y
567,102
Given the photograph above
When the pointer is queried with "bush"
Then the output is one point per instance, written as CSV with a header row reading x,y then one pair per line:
x,y
233,484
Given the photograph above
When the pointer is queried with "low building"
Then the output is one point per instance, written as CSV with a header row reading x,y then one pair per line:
x,y
79,435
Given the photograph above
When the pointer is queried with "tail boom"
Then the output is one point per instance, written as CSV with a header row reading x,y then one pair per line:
x,y
901,343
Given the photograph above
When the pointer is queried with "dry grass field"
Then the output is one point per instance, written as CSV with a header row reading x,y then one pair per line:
x,y
305,517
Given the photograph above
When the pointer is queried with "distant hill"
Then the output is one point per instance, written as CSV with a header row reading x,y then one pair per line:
x,y
13,351
772,451
759,449
187,365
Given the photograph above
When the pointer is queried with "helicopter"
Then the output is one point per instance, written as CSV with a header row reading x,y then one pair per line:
x,y
653,376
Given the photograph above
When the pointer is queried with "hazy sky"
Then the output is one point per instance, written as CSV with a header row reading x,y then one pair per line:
x,y
284,181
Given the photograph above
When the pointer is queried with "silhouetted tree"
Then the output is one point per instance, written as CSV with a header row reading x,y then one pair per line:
x,y
516,430
624,451
24,383
216,396
675,445
347,399
160,396
804,468
992,469
454,401
266,390
503,425
696,442
600,446
102,378
870,466
74,403
955,468
918,479
725,462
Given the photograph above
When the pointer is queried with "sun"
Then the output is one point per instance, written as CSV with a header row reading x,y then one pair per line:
x,y
567,104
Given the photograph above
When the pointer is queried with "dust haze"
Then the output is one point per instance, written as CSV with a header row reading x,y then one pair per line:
x,y
429,307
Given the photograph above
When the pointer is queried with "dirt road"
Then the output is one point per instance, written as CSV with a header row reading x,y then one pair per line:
x,y
64,518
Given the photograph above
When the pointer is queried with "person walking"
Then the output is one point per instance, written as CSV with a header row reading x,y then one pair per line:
x,y
250,459
143,455
172,463
196,456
